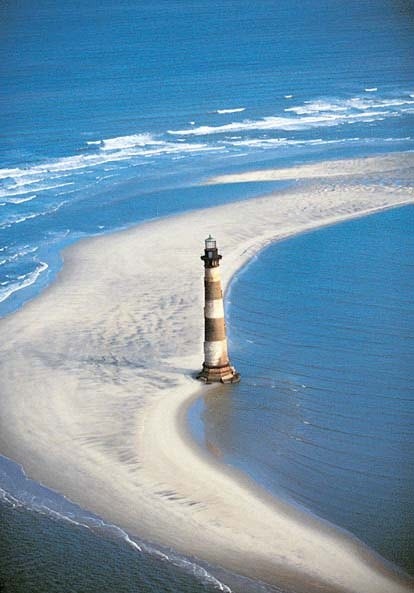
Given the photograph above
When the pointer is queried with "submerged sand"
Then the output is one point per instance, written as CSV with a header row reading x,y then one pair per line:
x,y
97,373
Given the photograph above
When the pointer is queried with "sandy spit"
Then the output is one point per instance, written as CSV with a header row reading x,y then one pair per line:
x,y
368,168
96,375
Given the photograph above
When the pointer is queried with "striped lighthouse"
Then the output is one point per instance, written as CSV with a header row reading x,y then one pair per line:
x,y
216,366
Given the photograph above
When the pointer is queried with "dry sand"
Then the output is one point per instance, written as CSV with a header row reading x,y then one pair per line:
x,y
368,169
97,372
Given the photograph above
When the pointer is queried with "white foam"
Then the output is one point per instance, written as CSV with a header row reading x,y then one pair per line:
x,y
262,142
37,177
29,279
190,567
132,543
17,219
317,107
273,142
13,200
288,96
9,173
359,103
130,141
371,90
23,252
349,105
314,114
283,123
28,185
235,110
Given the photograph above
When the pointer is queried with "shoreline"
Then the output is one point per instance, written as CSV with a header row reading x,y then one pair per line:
x,y
101,390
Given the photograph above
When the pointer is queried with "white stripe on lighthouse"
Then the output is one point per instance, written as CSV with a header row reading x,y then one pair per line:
x,y
215,353
212,274
214,309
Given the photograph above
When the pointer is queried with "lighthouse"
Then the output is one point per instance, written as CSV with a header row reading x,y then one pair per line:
x,y
216,366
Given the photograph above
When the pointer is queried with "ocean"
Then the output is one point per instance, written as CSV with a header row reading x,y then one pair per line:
x,y
112,114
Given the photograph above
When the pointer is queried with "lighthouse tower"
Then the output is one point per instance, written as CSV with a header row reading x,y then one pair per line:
x,y
216,366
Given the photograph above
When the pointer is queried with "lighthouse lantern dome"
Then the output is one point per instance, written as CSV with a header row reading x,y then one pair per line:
x,y
210,242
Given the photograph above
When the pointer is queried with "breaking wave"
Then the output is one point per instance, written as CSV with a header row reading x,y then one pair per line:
x,y
19,218
134,140
23,281
11,200
235,110
314,114
23,180
362,104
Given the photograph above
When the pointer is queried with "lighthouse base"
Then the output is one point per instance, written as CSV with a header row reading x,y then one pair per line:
x,y
224,374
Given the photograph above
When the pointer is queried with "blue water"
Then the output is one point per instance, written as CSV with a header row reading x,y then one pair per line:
x,y
113,113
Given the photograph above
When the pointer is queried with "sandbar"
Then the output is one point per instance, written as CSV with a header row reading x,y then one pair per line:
x,y
98,371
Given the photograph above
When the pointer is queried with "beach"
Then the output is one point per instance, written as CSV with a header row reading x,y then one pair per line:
x,y
98,372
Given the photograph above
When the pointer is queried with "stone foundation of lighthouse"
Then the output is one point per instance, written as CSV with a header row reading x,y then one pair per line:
x,y
216,366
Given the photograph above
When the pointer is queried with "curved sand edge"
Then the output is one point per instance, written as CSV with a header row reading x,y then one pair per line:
x,y
92,399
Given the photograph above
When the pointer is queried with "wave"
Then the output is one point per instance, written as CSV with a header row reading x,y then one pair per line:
x,y
284,123
274,142
11,200
19,218
25,250
147,145
348,105
20,181
314,114
263,143
25,281
130,141
235,110
25,186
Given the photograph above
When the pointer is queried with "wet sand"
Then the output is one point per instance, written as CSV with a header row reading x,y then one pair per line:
x,y
97,373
